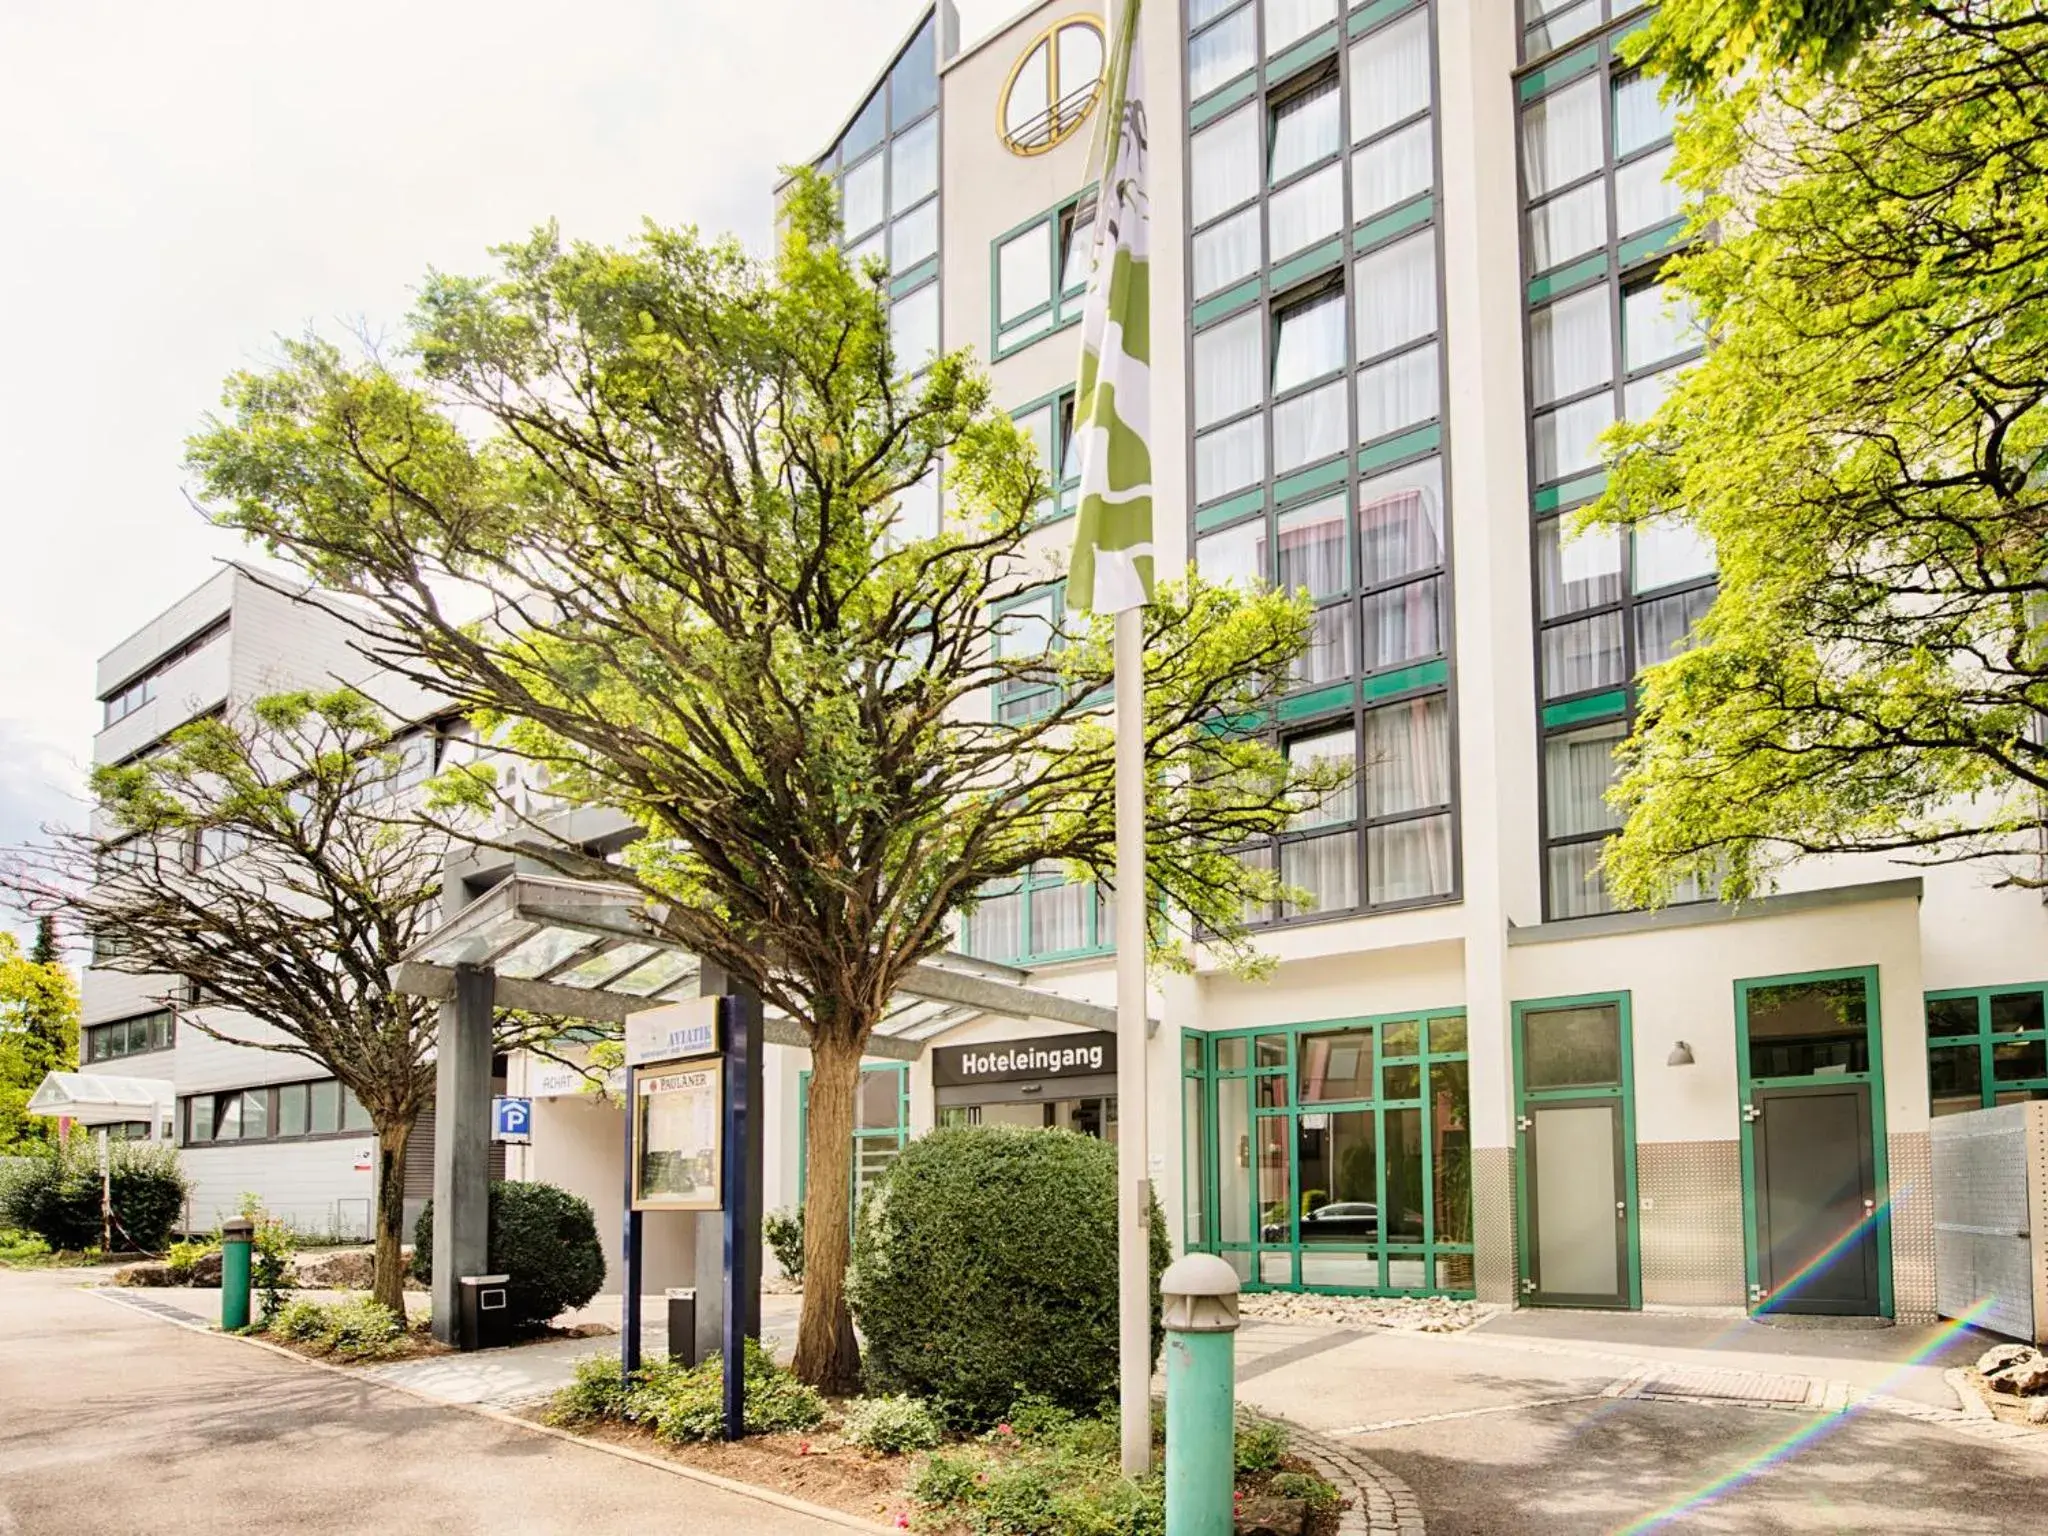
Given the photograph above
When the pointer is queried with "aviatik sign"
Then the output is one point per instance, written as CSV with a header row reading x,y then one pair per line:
x,y
1045,1058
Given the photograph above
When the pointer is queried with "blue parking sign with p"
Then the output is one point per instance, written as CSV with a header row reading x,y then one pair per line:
x,y
511,1119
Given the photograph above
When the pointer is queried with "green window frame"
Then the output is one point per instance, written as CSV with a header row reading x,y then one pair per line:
x,y
1050,420
1034,894
1995,1038
874,1146
1051,245
1020,700
1420,1064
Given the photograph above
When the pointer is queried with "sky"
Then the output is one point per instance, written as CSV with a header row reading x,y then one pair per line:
x,y
184,183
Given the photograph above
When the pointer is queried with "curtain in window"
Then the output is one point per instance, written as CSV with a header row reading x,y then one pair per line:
x,y
1058,918
1309,210
1398,393
1261,859
1561,137
1398,167
1230,458
914,236
1221,54
914,164
1640,116
1553,23
1408,756
1641,397
1404,624
1577,888
1662,627
1310,341
1080,226
1025,629
1580,657
1577,574
1224,162
1670,550
1571,346
1390,75
1235,555
1409,860
1568,438
1567,226
995,929
1328,657
1401,523
1657,322
1226,252
1642,196
1311,549
1289,21
1325,867
1331,749
1228,374
1309,427
1024,273
1305,130
1577,770
1202,12
1396,294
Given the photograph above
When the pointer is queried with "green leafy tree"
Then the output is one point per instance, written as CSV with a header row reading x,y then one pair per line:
x,y
267,857
38,1033
654,510
1863,444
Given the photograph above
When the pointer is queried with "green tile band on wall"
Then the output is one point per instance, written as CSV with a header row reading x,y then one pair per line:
x,y
1653,243
1424,674
1216,103
1569,493
1578,272
1399,221
1601,706
1322,477
1302,705
1229,511
1302,55
1394,449
1226,302
1365,19
1572,65
1288,273
916,277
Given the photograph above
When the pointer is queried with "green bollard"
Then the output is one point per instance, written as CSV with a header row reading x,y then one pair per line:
x,y
1198,1305
236,1237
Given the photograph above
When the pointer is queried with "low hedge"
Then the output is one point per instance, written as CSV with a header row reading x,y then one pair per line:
x,y
984,1271
545,1239
56,1195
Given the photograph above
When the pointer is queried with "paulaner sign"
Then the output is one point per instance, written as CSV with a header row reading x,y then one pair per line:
x,y
1011,1061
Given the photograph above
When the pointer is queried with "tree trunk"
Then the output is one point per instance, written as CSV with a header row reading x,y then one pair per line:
x,y
827,1354
387,1266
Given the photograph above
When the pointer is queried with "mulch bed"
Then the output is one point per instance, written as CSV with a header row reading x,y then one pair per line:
x,y
2005,1407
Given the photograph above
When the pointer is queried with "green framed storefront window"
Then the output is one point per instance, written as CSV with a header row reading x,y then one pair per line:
x,y
1986,1046
1334,1155
881,1126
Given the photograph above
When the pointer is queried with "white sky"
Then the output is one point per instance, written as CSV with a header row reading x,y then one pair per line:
x,y
181,183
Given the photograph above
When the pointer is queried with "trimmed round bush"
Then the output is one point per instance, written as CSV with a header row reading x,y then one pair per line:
x,y
56,1195
545,1239
984,1271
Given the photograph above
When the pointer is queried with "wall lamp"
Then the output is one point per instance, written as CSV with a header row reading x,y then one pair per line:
x,y
1681,1055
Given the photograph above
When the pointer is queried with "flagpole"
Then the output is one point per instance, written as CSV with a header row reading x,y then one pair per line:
x,y
1134,1189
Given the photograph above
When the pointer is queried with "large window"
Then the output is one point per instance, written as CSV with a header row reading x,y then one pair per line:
x,y
1316,397
1041,917
1050,422
881,1127
1334,1156
155,1031
283,1112
1022,630
1605,341
1041,274
1986,1046
140,689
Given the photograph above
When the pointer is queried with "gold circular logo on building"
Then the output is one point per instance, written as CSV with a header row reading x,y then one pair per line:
x,y
1053,87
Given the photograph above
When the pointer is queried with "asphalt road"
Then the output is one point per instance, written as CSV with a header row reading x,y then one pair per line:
x,y
113,1423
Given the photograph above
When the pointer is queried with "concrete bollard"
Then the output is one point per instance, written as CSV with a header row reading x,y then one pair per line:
x,y
236,1239
1198,1306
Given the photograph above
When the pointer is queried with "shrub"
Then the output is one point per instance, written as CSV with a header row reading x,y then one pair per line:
x,y
272,1247
946,1482
1307,1487
783,1232
892,1425
543,1238
597,1391
984,1269
687,1404
354,1328
1260,1443
184,1257
21,1247
56,1195
299,1321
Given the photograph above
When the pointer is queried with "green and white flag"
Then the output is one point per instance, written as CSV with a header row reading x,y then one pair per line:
x,y
1112,565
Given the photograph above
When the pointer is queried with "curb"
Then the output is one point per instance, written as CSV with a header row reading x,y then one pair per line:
x,y
498,1415
1381,1504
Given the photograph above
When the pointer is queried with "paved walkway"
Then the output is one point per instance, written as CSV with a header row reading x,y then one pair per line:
x,y
117,1425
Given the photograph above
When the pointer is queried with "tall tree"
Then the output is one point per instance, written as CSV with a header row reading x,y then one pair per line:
x,y
1864,444
45,951
674,515
268,859
38,1035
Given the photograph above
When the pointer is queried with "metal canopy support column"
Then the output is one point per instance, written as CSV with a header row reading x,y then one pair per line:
x,y
462,1142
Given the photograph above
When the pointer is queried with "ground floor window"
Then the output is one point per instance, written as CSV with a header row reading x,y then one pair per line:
x,y
1334,1156
1986,1046
881,1126
1095,1116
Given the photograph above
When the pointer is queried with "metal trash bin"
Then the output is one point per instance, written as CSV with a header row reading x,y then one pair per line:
x,y
682,1325
483,1317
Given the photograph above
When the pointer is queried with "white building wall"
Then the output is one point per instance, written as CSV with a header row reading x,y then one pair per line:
x,y
323,1187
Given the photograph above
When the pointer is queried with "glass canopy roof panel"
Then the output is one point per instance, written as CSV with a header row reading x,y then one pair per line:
x,y
664,970
473,944
600,968
544,951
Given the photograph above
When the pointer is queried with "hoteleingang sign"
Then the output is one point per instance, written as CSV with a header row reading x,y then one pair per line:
x,y
1092,1054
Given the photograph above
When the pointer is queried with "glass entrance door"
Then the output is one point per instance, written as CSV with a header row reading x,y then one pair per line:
x,y
1575,1144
